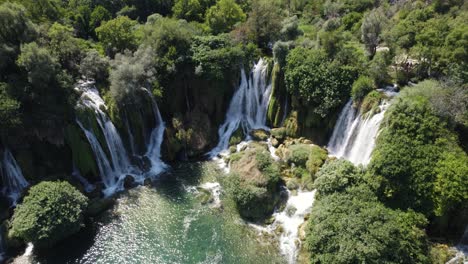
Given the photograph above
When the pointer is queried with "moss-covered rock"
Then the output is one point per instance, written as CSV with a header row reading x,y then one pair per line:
x,y
276,108
237,136
254,183
304,161
370,103
82,154
259,134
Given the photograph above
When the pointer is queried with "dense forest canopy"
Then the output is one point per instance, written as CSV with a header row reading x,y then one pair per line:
x,y
188,55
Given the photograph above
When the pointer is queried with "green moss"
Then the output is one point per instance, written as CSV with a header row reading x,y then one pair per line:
x,y
291,124
237,137
253,183
317,157
82,154
441,254
370,103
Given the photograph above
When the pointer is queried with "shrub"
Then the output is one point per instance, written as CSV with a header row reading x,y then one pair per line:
x,y
298,154
371,102
353,227
253,183
49,213
316,159
361,87
335,176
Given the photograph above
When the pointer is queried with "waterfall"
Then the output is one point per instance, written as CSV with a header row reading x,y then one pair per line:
x,y
12,178
153,152
88,187
462,249
248,106
113,170
291,218
354,135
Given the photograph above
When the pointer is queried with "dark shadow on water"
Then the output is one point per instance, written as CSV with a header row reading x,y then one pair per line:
x,y
70,250
170,185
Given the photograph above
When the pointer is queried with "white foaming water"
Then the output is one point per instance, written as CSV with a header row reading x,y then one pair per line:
x,y
291,218
247,108
462,250
113,170
272,150
12,178
215,189
88,187
354,135
153,152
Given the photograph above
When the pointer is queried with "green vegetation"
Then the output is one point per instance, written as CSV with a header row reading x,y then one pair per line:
x,y
417,154
361,87
188,54
348,215
49,213
254,183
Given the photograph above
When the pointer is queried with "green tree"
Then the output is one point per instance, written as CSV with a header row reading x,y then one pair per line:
x,y
264,23
99,15
336,176
321,85
49,213
361,87
353,227
410,149
9,111
188,9
216,56
40,66
371,30
94,66
81,17
450,184
15,29
64,45
223,16
130,73
117,35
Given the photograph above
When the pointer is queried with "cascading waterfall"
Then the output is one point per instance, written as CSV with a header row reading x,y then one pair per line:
x,y
291,218
354,135
153,152
247,108
88,187
462,249
113,170
12,178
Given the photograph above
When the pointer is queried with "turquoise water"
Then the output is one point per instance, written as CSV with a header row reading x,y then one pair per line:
x,y
169,223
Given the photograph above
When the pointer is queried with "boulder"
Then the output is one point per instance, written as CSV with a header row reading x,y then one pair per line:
x,y
259,134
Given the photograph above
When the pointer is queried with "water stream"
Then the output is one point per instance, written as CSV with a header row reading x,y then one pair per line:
x,y
354,135
248,106
114,167
12,178
168,223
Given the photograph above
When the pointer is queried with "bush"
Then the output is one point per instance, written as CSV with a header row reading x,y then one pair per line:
x,y
49,213
322,85
417,158
361,87
224,15
298,154
336,176
353,227
371,102
253,183
316,159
